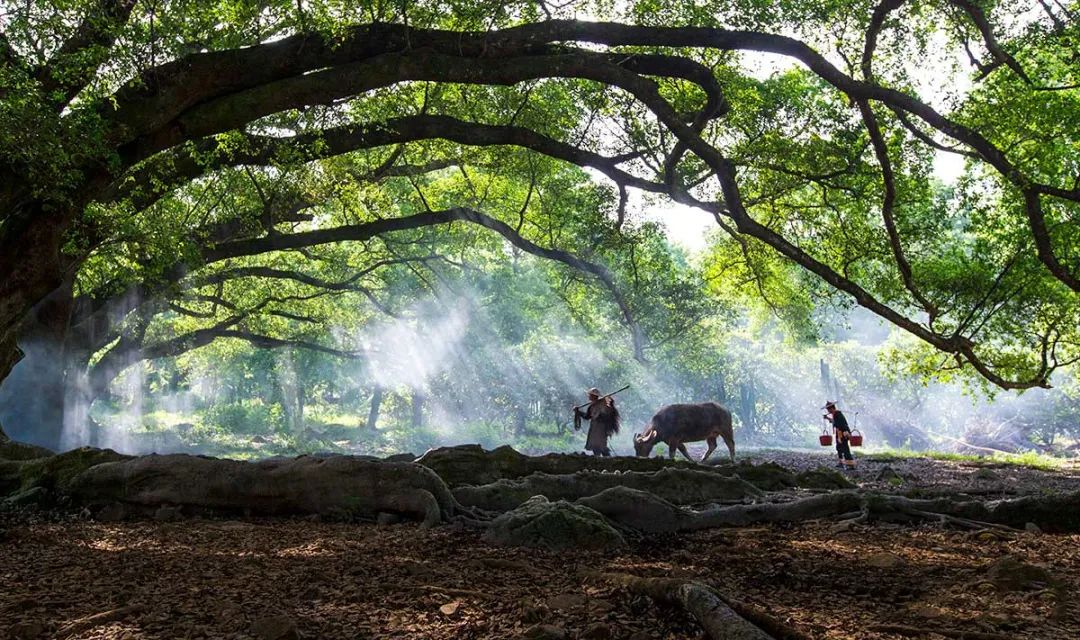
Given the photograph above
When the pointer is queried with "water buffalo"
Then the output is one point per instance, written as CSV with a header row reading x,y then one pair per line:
x,y
679,423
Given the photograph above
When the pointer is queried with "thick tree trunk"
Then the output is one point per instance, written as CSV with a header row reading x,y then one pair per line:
x,y
417,409
519,421
33,397
373,412
31,262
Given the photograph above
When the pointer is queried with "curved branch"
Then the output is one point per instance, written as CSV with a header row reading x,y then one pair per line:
x,y
881,151
368,230
79,57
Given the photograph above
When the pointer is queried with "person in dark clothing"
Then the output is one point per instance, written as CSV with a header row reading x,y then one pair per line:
x,y
842,435
603,420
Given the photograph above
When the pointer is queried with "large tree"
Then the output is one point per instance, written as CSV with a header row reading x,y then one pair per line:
x,y
107,106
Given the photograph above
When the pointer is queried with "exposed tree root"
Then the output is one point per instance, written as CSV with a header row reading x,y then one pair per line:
x,y
336,487
717,619
89,622
903,630
649,513
678,486
470,464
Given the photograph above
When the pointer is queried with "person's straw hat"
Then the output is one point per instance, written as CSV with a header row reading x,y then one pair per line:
x,y
593,392
828,404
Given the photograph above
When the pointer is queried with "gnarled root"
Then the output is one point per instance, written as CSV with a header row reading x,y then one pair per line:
x,y
716,617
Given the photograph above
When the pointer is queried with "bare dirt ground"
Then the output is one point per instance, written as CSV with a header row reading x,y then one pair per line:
x,y
927,477
216,579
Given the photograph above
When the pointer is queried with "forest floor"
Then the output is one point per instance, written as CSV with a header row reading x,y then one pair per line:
x,y
224,579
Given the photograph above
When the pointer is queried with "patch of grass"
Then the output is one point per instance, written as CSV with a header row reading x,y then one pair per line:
x,y
1030,459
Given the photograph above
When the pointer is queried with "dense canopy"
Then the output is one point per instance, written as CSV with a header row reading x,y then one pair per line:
x,y
305,176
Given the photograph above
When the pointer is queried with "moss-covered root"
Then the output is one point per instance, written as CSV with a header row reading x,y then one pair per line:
x,y
11,450
554,525
341,487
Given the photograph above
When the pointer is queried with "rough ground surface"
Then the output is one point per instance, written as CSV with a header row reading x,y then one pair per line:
x,y
280,578
926,477
207,579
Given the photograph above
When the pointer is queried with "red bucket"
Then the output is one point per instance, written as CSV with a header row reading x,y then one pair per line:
x,y
825,439
856,438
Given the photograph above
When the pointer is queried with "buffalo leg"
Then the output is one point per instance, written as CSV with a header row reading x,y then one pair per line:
x,y
730,447
712,447
672,446
686,454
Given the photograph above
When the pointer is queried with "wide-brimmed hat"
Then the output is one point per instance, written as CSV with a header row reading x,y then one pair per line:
x,y
593,392
828,404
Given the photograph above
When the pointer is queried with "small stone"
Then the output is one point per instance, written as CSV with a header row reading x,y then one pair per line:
x,y
884,560
1031,527
598,631
566,601
275,628
544,632
986,475
450,608
1010,573
640,635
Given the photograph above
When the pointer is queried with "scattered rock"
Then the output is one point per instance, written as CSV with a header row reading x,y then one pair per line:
x,y
986,475
275,628
884,560
566,601
554,525
598,631
1031,527
544,632
1013,574
450,608
640,635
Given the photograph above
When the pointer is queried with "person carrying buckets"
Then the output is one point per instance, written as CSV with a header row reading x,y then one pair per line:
x,y
842,432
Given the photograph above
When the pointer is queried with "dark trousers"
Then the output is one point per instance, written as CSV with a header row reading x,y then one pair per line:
x,y
843,450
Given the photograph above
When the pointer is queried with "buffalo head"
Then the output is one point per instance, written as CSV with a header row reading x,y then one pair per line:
x,y
644,442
